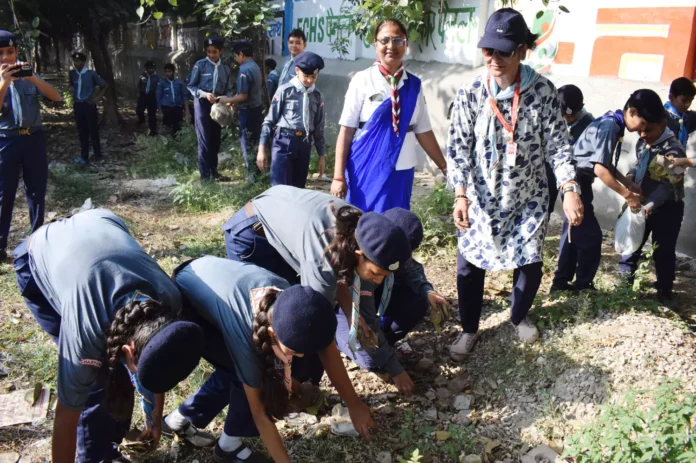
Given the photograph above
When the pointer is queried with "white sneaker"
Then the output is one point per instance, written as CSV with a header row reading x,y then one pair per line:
x,y
463,346
527,331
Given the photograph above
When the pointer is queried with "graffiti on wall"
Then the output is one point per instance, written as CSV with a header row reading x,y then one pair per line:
x,y
324,28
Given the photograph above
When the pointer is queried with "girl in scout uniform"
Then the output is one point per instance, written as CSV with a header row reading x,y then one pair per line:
x,y
22,139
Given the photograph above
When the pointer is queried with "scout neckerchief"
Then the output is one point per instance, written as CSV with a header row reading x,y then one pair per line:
x,y
283,363
286,69
16,105
683,135
215,72
147,87
581,114
618,117
80,73
171,86
644,157
295,81
355,313
393,80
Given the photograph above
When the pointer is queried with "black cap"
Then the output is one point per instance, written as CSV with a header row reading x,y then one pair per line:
x,y
409,223
150,65
309,63
505,31
382,241
80,56
571,99
216,41
7,39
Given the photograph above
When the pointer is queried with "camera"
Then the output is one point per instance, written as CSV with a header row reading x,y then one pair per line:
x,y
25,70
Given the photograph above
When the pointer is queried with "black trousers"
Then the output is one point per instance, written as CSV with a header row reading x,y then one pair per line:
x,y
172,117
147,101
87,120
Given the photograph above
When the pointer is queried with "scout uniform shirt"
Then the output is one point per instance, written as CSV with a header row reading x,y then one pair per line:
x,y
249,81
171,92
288,71
83,83
286,112
272,82
148,83
203,78
88,266
21,107
596,144
224,293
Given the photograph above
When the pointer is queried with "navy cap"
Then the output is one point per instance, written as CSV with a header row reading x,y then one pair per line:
x,y
150,65
80,56
409,223
170,356
505,31
7,39
304,320
382,241
571,99
309,63
215,40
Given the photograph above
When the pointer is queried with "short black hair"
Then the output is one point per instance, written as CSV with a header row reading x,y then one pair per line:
x,y
298,33
648,104
682,86
271,63
243,47
170,66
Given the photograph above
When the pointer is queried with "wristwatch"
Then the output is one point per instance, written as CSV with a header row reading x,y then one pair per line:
x,y
572,186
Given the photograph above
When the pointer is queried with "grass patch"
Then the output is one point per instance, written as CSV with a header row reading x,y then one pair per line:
x,y
196,196
71,187
162,156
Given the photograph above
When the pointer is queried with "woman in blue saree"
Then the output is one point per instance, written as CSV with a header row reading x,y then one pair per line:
x,y
383,116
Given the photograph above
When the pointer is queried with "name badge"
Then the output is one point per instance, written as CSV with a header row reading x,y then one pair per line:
x,y
511,154
377,98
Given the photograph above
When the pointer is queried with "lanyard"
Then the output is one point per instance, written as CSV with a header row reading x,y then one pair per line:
x,y
510,127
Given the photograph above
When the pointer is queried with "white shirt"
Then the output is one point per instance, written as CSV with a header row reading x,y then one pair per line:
x,y
367,90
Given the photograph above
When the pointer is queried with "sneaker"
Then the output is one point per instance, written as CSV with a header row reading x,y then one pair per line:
x,y
79,161
231,457
463,346
561,286
527,331
196,438
221,178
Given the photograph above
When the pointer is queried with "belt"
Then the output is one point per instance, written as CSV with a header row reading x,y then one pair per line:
x,y
22,131
295,132
362,124
258,226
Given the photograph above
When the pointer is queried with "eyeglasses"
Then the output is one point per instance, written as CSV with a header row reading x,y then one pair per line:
x,y
397,41
488,52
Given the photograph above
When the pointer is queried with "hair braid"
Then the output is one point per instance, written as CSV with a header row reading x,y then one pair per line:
x,y
274,395
341,250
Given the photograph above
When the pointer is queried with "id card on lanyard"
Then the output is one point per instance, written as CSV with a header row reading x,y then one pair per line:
x,y
511,146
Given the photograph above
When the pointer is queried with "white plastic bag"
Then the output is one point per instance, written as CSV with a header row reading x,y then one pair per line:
x,y
222,114
629,231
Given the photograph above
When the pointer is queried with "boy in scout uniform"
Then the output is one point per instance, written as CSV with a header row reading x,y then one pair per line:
x,y
296,114
172,99
82,83
147,97
209,81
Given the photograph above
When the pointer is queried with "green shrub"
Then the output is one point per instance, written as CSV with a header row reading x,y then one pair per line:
x,y
624,433
196,196
164,155
68,99
435,212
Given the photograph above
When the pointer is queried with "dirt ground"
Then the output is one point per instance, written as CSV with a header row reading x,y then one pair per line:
x,y
506,399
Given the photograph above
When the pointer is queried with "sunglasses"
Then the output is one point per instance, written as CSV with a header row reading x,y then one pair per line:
x,y
488,52
397,41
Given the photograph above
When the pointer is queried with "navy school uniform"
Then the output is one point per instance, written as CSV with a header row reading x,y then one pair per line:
x,y
189,97
22,150
291,146
581,257
83,85
65,264
663,196
170,98
208,77
249,82
147,100
272,83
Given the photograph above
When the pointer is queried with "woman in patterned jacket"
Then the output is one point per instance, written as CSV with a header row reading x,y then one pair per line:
x,y
505,126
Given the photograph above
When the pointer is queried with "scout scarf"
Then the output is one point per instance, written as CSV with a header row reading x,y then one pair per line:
x,y
16,105
393,84
79,81
171,86
147,87
683,135
644,157
286,70
355,313
305,103
618,117
215,72
525,77
581,114
283,366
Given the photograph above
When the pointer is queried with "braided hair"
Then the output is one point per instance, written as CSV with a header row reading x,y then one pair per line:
x,y
341,250
137,321
274,395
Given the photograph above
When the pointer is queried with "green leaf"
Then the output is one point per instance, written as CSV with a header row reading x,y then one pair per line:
x,y
35,33
370,37
419,7
564,9
157,15
388,11
539,14
140,11
35,23
413,35
259,17
173,2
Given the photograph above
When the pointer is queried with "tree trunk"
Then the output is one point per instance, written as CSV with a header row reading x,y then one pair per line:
x,y
96,43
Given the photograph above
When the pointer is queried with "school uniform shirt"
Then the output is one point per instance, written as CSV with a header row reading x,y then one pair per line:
x,y
596,144
90,80
88,266
29,116
689,122
286,112
272,82
288,72
249,81
171,92
657,185
224,293
295,222
203,75
366,91
578,126
508,205
148,83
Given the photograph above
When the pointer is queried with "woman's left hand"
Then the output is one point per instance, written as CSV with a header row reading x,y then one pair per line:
x,y
573,208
